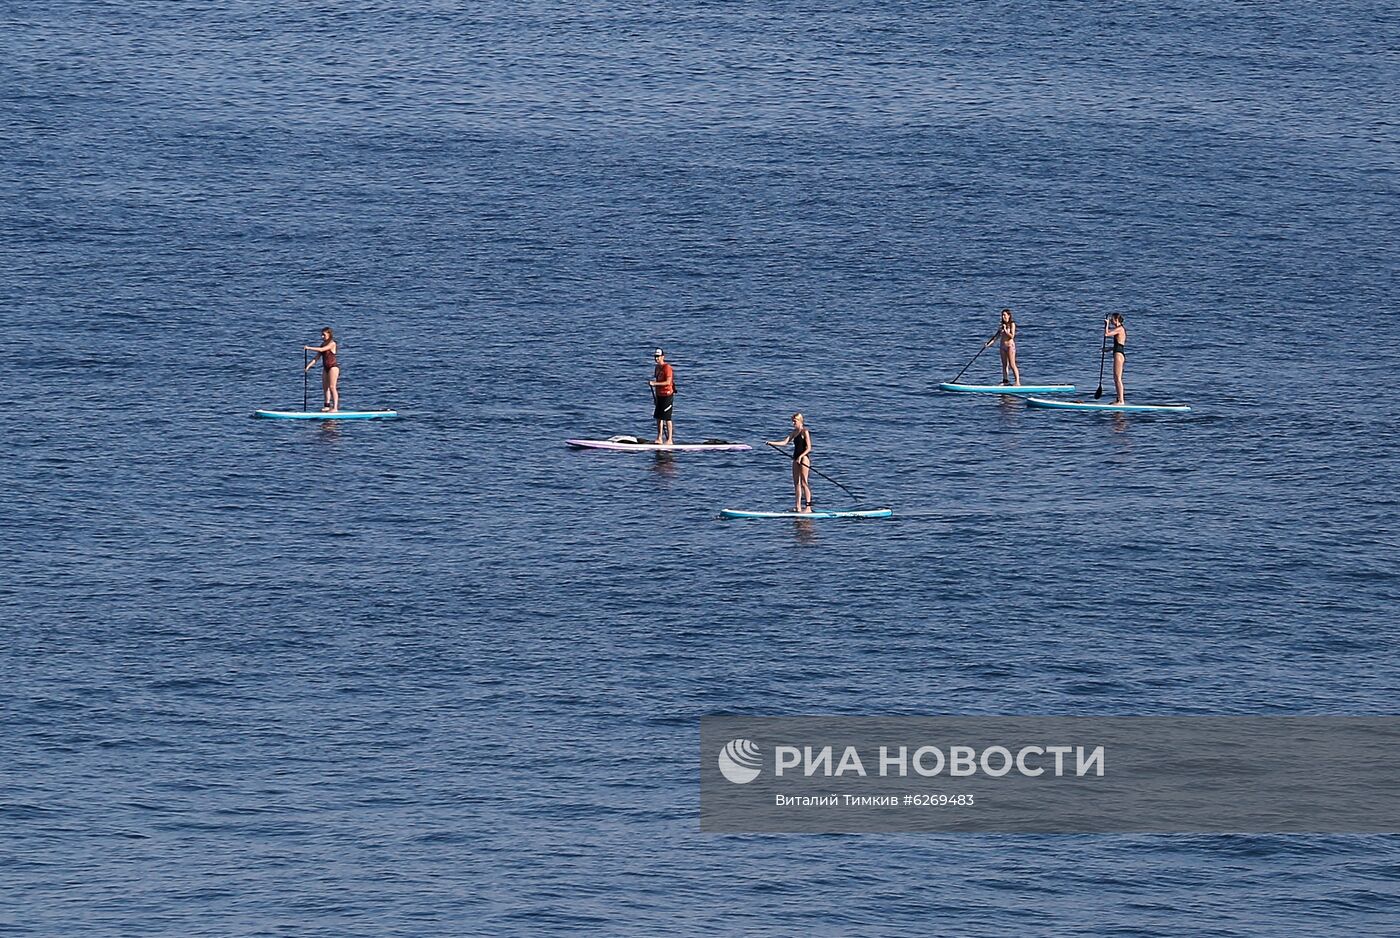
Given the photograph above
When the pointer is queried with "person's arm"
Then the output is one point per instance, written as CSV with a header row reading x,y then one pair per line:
x,y
784,441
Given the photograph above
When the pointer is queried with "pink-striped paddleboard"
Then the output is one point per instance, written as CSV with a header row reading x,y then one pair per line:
x,y
630,444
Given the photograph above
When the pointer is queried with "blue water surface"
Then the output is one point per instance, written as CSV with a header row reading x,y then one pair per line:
x,y
443,676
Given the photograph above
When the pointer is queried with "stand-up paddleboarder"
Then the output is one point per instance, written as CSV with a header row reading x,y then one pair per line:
x,y
663,389
330,370
1114,329
1006,331
801,440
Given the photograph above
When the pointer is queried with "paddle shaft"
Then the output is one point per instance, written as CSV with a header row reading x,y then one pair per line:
x,y
820,473
305,390
985,346
1103,352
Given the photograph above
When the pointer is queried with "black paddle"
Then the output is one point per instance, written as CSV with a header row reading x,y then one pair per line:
x,y
820,473
1103,350
975,357
305,367
652,389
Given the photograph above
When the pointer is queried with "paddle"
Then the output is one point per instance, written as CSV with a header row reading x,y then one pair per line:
x,y
653,401
820,473
1103,350
975,357
305,367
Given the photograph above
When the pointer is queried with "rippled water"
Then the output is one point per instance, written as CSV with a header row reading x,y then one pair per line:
x,y
443,676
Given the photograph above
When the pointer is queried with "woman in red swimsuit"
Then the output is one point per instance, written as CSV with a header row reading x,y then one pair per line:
x,y
330,371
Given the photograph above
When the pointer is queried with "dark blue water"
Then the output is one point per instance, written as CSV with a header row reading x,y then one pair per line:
x,y
443,676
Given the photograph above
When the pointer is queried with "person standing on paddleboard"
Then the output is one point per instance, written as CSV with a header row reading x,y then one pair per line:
x,y
1114,329
1007,333
801,440
330,371
663,390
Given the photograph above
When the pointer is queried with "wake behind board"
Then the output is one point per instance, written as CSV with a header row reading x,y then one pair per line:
x,y
326,414
1008,388
619,444
1115,408
808,515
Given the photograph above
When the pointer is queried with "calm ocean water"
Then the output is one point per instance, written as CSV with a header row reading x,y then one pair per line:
x,y
443,676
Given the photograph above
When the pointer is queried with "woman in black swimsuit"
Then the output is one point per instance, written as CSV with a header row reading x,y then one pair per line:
x,y
1114,329
801,440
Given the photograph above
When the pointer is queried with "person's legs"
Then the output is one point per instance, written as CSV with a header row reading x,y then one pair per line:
x,y
663,420
1118,377
333,391
325,390
1011,360
1004,364
804,485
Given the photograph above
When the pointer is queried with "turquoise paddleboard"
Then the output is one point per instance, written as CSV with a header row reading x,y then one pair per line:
x,y
809,515
1115,408
1008,388
326,415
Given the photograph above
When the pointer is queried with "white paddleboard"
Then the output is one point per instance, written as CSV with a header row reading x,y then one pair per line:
x,y
1116,408
808,515
326,414
1008,388
630,444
